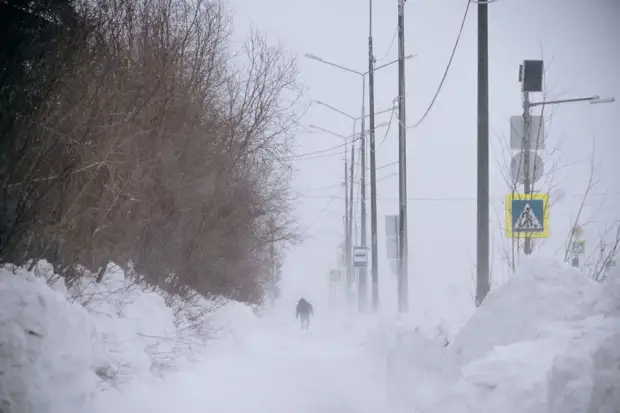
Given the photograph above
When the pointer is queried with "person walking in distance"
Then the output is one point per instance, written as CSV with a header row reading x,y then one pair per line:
x,y
303,312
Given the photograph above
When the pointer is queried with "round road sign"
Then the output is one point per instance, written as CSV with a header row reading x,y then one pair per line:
x,y
517,168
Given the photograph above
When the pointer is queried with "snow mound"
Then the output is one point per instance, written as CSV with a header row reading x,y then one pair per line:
x,y
60,347
416,363
548,341
539,293
419,367
49,350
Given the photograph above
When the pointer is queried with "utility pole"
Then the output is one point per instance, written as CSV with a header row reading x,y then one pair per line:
x,y
347,228
363,272
527,185
351,186
403,285
362,287
482,242
373,171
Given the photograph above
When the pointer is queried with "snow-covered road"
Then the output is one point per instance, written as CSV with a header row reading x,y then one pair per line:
x,y
273,368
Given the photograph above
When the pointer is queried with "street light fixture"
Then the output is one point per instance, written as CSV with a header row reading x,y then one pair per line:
x,y
597,99
593,100
348,69
353,118
312,126
527,245
318,102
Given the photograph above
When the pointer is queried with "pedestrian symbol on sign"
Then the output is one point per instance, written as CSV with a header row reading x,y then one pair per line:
x,y
527,221
527,215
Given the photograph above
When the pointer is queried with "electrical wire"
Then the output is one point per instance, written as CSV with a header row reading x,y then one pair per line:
x,y
321,212
301,194
457,199
328,152
388,128
386,165
321,188
309,158
445,74
390,48
309,155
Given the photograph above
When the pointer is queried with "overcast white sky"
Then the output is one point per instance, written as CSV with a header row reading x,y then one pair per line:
x,y
578,40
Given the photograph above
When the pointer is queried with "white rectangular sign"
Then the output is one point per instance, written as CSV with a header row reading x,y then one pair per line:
x,y
360,256
391,225
536,138
391,247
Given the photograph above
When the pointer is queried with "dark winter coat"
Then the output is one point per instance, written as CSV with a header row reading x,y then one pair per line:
x,y
304,309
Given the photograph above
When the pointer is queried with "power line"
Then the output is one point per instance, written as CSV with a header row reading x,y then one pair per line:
x,y
388,128
460,199
309,155
309,158
391,46
445,74
321,188
321,212
387,164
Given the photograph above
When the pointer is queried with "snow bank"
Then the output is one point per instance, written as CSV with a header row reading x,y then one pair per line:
x,y
59,347
49,350
417,366
548,341
540,292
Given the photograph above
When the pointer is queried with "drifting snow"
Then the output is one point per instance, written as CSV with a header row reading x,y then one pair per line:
x,y
547,341
59,347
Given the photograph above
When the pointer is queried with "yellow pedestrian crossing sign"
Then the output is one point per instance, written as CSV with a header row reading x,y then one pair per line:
x,y
527,215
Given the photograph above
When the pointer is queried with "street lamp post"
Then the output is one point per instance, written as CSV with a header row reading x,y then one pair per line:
x,y
527,247
349,206
373,211
362,278
348,198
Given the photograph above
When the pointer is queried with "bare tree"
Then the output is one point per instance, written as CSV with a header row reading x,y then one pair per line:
x,y
158,146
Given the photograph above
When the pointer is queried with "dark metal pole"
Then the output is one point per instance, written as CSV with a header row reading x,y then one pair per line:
x,y
347,232
373,172
527,185
363,272
352,271
403,285
482,256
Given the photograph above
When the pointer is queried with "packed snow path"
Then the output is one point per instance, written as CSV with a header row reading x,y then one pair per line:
x,y
274,367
